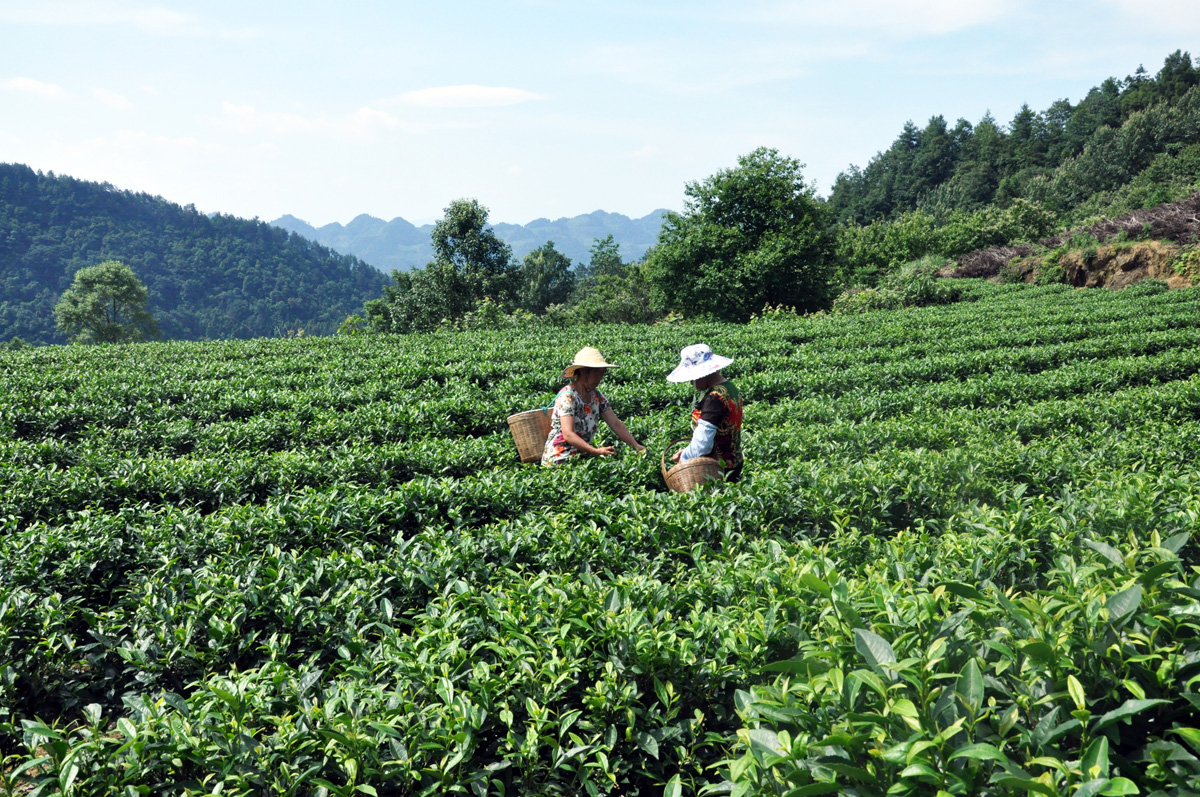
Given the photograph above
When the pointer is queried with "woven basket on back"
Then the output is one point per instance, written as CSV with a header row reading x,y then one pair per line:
x,y
530,430
687,475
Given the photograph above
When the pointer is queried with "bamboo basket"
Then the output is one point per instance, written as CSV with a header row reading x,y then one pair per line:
x,y
530,430
686,475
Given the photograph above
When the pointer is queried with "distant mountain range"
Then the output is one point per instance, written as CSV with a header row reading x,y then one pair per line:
x,y
401,245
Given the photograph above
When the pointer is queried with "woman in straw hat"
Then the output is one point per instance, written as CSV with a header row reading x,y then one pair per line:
x,y
717,416
578,410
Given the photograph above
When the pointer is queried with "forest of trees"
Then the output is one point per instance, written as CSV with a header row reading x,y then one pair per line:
x,y
1058,156
207,276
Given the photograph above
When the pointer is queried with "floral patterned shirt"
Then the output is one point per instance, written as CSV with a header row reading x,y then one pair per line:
x,y
586,417
721,405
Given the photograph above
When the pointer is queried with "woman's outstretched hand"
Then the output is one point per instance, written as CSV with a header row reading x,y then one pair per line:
x,y
605,451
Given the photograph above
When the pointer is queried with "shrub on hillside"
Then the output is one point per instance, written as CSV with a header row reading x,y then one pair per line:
x,y
919,285
1147,288
866,300
994,226
867,254
915,284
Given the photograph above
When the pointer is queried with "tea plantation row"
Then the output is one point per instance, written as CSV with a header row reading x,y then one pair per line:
x,y
961,562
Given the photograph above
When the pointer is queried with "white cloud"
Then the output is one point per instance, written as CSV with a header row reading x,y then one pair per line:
x,y
111,99
366,119
247,118
157,20
1176,16
136,146
364,123
31,86
647,151
148,18
467,96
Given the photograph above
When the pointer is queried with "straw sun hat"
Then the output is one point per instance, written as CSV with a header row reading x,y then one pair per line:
x,y
587,357
696,361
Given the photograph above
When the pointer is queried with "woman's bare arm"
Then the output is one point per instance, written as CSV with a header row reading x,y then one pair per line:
x,y
614,423
568,432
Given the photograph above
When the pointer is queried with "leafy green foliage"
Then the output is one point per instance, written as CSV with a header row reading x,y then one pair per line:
x,y
545,278
622,297
106,303
471,264
962,558
868,253
749,234
464,243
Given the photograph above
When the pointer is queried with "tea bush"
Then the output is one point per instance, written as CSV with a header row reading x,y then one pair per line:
x,y
960,562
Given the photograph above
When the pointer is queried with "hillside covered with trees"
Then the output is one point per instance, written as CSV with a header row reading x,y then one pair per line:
x,y
1130,144
1070,157
207,276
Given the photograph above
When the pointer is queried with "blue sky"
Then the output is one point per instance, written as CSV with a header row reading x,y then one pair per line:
x,y
537,109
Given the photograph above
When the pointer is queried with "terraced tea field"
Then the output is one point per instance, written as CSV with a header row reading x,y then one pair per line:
x,y
961,562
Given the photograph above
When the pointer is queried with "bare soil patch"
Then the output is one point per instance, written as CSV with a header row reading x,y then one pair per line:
x,y
1140,245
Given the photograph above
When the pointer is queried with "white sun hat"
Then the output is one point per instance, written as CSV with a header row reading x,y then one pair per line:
x,y
696,361
587,357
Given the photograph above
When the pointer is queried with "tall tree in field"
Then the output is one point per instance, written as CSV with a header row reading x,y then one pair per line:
x,y
748,235
545,278
605,258
464,243
106,303
470,263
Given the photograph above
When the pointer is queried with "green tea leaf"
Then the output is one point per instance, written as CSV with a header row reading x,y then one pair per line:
x,y
1075,690
1107,551
1092,787
1189,735
647,743
813,789
922,772
765,738
806,667
1175,542
1095,759
970,686
1126,710
1026,784
812,581
1120,787
963,591
1124,603
876,650
980,751
1039,650
1152,574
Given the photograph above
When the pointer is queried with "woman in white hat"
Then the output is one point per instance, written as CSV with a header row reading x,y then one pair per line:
x,y
578,410
717,416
